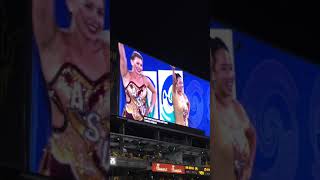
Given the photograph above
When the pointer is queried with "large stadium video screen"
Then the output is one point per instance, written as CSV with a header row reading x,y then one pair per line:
x,y
271,131
70,117
153,91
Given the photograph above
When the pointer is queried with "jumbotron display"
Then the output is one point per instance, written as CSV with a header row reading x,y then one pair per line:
x,y
265,115
156,92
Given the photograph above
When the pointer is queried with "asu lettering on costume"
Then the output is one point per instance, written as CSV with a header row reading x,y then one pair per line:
x,y
82,143
71,89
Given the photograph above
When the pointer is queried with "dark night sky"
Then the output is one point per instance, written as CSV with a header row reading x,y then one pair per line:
x,y
177,31
284,24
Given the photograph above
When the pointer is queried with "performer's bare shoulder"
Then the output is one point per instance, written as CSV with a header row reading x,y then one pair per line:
x,y
242,113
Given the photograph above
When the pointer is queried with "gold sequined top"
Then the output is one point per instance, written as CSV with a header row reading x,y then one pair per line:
x,y
180,103
82,142
136,100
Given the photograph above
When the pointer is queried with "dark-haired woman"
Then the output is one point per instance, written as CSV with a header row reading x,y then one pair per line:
x,y
233,136
181,104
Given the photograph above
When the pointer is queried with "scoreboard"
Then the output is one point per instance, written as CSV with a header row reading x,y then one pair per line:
x,y
180,169
203,171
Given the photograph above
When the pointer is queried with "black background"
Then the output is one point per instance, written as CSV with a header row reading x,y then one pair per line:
x,y
15,60
289,25
174,31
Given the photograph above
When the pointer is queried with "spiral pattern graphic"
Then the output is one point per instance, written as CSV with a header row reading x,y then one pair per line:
x,y
208,106
195,94
270,98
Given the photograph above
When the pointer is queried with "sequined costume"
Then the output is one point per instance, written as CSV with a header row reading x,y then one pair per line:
x,y
136,101
231,152
180,103
79,148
